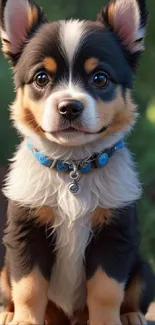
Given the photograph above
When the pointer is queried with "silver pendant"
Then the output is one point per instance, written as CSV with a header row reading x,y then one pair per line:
x,y
74,187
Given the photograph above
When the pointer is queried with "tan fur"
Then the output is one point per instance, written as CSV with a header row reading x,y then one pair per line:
x,y
91,64
30,298
126,117
101,216
6,45
32,16
111,13
4,284
50,64
5,292
29,118
119,113
6,318
27,111
132,296
44,215
104,298
35,107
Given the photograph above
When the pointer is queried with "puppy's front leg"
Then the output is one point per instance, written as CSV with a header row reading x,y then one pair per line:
x,y
105,296
30,298
29,259
110,256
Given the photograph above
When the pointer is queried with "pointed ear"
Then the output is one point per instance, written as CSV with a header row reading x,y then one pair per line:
x,y
18,18
128,19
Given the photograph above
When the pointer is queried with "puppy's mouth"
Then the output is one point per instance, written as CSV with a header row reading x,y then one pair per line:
x,y
77,130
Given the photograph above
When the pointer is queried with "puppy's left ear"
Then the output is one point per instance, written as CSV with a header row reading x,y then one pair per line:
x,y
128,20
18,20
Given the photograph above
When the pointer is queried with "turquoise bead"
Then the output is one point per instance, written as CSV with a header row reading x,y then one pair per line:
x,y
119,145
43,160
103,159
61,166
85,169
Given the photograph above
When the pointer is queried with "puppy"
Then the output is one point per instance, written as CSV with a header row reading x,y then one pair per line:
x,y
72,240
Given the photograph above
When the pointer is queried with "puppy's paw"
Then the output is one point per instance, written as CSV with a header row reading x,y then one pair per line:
x,y
5,318
133,319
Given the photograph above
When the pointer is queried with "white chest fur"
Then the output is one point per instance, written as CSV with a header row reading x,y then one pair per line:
x,y
68,286
33,185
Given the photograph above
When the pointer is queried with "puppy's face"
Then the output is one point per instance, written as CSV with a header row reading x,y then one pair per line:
x,y
73,78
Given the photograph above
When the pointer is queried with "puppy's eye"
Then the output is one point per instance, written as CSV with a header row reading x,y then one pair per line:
x,y
100,80
42,79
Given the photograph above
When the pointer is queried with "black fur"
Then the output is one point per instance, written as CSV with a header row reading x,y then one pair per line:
x,y
28,243
115,247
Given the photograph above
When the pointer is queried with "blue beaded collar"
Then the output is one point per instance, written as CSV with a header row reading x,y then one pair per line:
x,y
97,160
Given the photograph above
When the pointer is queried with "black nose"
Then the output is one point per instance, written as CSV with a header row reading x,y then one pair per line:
x,y
70,109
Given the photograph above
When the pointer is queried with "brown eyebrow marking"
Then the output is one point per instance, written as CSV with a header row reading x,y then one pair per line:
x,y
50,64
90,64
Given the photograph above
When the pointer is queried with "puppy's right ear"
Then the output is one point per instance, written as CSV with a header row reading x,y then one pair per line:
x,y
128,20
18,20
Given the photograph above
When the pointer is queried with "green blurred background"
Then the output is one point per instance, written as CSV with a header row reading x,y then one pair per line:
x,y
142,140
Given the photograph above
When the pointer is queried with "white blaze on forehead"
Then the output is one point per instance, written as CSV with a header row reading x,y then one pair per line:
x,y
71,33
